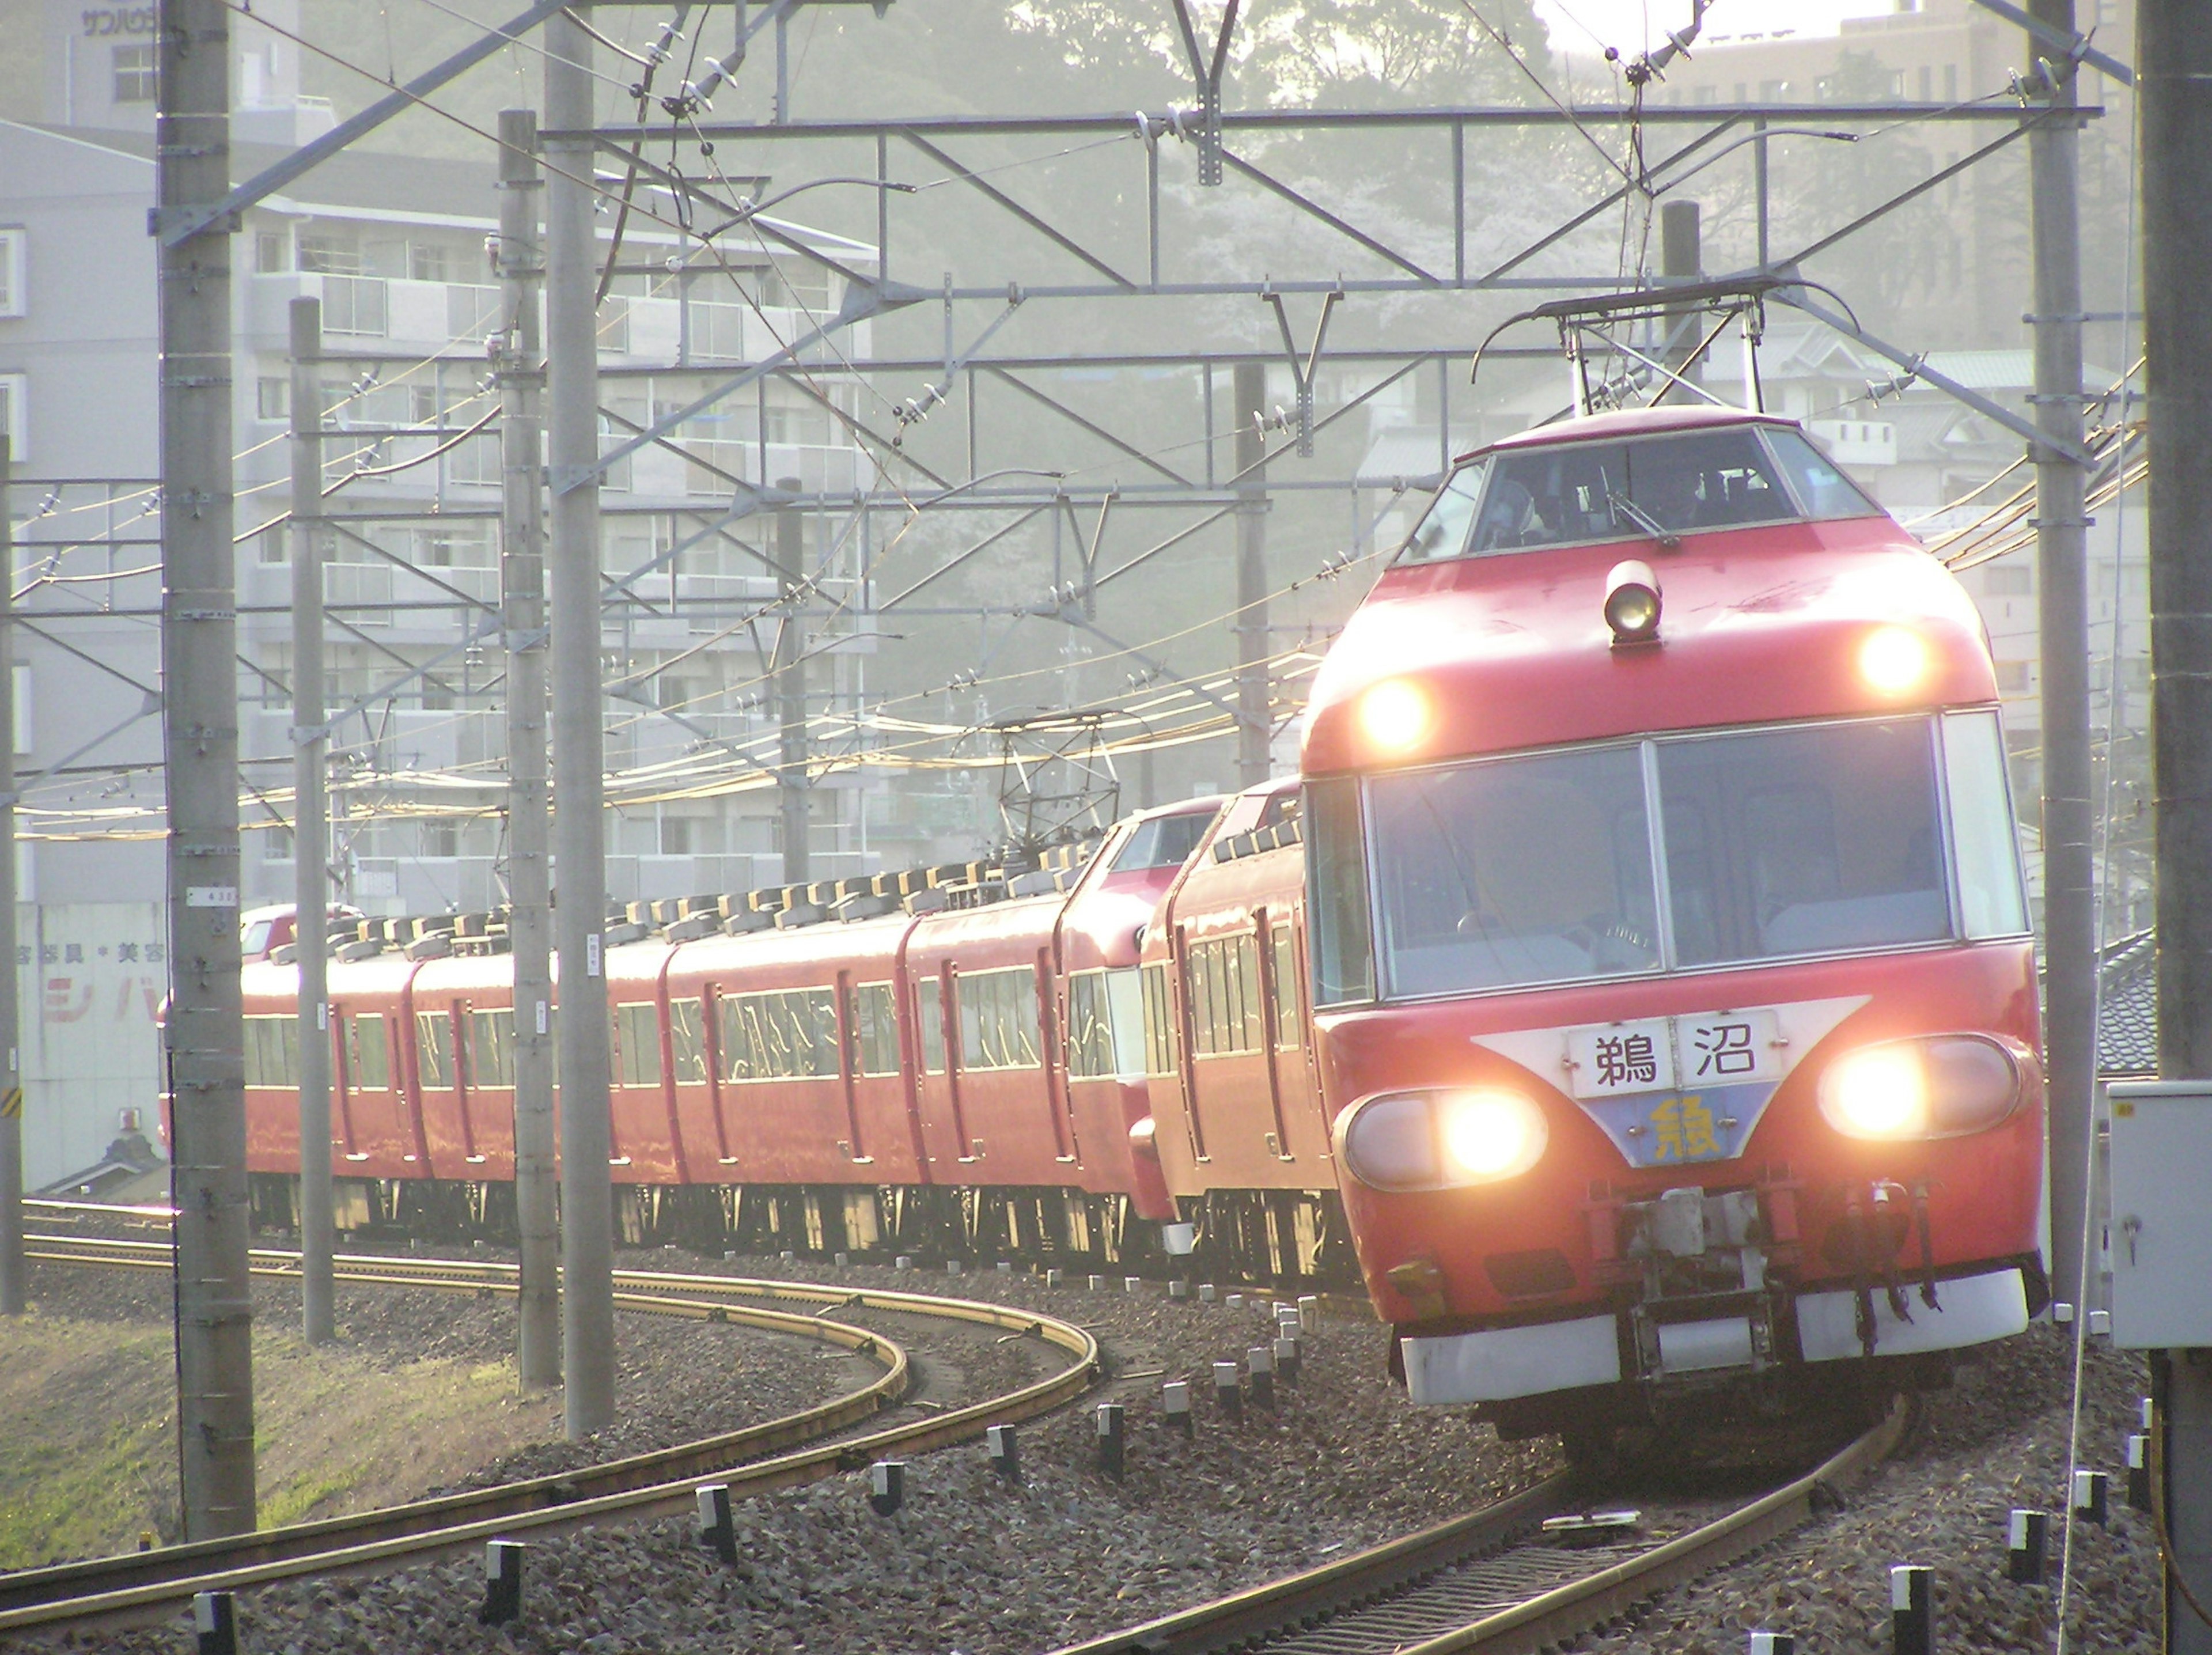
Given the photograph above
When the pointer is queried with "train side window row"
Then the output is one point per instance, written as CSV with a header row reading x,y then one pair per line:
x,y
788,1036
998,1019
1224,983
273,1051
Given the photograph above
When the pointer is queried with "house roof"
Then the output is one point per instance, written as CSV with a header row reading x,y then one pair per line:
x,y
2127,1007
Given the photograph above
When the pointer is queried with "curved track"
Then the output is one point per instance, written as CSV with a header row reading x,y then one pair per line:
x,y
1482,1582
150,1585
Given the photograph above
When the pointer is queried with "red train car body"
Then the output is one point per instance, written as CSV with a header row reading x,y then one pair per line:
x,y
1636,988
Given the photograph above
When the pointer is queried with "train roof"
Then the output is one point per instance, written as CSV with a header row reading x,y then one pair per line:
x,y
1758,625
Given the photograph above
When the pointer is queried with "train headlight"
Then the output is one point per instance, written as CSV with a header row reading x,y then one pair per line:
x,y
1632,603
1412,1140
1394,714
1894,661
1935,1087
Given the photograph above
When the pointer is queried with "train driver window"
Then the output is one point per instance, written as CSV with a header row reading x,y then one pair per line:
x,y
1806,841
1513,871
1443,531
1822,489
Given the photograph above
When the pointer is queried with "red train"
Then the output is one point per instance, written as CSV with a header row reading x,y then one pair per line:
x,y
1637,989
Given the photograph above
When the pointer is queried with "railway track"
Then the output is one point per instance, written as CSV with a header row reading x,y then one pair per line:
x,y
1492,1580
775,1454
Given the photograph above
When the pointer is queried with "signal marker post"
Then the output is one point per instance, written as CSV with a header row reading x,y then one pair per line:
x,y
13,1288
311,858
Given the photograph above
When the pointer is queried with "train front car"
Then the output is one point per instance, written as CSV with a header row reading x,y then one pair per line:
x,y
1671,965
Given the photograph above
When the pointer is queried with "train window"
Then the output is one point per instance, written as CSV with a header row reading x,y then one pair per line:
x,y
1283,962
1984,844
1125,1007
1224,982
1572,493
1163,842
434,1049
489,1058
637,1045
1513,871
1337,926
273,1051
1090,1027
687,1041
788,1036
1822,489
367,1058
931,1017
1159,1022
1442,531
997,1018
875,1028
1802,841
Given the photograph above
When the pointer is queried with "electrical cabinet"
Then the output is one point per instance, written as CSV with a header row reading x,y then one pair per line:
x,y
2161,1213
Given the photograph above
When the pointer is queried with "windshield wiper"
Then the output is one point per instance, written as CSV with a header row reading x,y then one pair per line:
x,y
1620,505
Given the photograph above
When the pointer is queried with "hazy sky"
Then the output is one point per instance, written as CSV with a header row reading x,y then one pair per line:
x,y
1633,24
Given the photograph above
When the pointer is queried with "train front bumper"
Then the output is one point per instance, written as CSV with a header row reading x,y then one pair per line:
x,y
1502,1364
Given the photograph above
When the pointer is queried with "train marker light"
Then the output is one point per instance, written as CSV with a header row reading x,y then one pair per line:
x,y
1632,603
1394,714
1894,661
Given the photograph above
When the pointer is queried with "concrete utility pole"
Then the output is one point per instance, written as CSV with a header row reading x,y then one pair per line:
x,y
311,853
204,1039
579,733
15,1290
2069,941
1681,258
2174,59
792,794
1254,716
529,875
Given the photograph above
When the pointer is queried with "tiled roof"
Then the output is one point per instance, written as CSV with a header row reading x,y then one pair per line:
x,y
2127,1010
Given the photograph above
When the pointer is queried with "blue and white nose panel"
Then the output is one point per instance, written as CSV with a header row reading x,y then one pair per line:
x,y
1676,1090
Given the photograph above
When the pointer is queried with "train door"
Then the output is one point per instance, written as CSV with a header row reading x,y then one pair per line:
x,y
441,1115
944,1124
1053,1050
1184,1023
487,1074
370,1091
854,1143
720,1091
1267,958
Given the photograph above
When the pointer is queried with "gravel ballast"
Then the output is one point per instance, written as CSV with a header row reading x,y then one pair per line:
x,y
974,1565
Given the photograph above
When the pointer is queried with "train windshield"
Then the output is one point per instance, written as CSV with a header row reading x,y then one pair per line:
x,y
1578,493
1682,852
1163,842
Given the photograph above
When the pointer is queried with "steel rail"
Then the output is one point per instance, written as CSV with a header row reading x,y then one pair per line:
x,y
144,1586
1282,1609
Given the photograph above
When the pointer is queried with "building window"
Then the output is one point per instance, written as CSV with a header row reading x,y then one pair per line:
x,y
25,723
271,248
2014,678
15,272
426,261
331,255
134,74
16,415
272,397
675,835
2007,580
